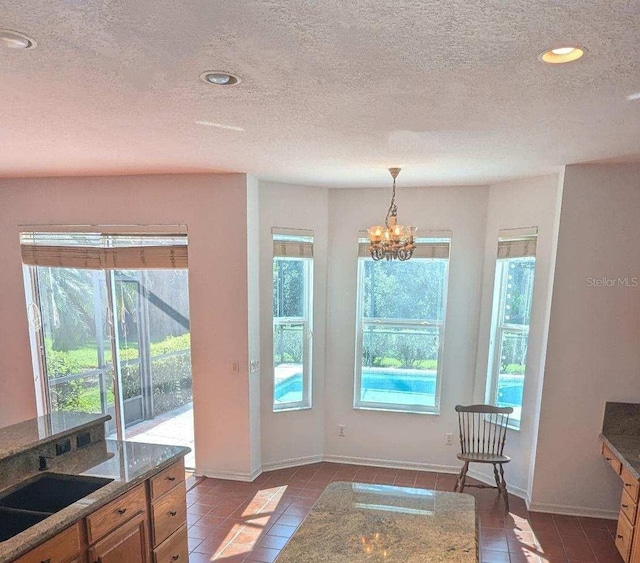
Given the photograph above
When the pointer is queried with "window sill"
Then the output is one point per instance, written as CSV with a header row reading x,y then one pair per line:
x,y
393,409
293,408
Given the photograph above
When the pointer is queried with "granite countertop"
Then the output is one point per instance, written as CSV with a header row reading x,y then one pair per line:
x,y
127,463
30,433
621,433
358,522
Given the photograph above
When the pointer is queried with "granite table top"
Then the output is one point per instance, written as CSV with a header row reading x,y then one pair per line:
x,y
26,435
621,434
127,463
358,522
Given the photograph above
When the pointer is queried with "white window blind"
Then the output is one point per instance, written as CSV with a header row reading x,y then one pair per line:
x,y
435,245
517,243
292,243
104,250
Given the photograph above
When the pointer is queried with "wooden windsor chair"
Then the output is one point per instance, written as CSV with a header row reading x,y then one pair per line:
x,y
483,431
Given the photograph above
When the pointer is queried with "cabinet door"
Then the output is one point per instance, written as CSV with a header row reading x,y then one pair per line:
x,y
127,543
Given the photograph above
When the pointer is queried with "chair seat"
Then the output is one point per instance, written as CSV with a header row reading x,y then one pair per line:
x,y
484,458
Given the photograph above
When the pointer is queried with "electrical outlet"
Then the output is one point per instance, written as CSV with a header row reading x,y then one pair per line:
x,y
235,367
63,447
449,439
341,430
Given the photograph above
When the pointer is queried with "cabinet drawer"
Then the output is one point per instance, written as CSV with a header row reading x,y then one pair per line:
x,y
612,459
628,507
59,549
167,479
116,513
174,549
630,484
624,534
169,513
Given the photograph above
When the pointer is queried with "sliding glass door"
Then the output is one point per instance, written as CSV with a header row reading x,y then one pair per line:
x,y
74,339
116,341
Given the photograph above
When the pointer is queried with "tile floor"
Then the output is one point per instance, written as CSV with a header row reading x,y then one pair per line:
x,y
231,521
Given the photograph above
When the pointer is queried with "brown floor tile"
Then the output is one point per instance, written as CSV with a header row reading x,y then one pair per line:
x,y
231,521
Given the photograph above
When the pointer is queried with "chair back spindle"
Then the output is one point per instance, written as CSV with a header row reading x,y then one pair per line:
x,y
483,428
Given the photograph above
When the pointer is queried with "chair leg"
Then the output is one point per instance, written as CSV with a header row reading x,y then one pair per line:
x,y
504,488
459,488
496,476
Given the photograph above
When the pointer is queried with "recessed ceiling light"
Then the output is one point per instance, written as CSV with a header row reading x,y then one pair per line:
x,y
633,97
561,55
220,78
15,40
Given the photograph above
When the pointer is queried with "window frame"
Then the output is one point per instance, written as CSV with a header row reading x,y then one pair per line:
x,y
358,403
307,330
497,330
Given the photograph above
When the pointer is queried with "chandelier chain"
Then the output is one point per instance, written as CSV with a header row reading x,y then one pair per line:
x,y
393,208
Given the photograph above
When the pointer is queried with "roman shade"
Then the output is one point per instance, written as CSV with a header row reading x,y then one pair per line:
x,y
434,244
100,250
292,243
517,243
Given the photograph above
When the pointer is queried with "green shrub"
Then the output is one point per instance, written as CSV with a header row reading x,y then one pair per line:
x,y
171,382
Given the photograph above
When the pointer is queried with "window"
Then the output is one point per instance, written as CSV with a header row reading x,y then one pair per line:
x,y
513,293
400,328
292,318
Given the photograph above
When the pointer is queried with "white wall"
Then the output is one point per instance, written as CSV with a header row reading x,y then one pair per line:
x,y
593,353
253,328
214,208
292,437
524,203
392,438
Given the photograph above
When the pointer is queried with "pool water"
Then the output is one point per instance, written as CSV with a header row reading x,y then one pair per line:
x,y
401,387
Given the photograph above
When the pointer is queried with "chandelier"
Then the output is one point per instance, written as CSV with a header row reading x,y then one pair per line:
x,y
393,241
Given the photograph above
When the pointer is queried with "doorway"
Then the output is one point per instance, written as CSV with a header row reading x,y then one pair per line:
x,y
116,341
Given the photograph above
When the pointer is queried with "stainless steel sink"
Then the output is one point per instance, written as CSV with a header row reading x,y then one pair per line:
x,y
41,496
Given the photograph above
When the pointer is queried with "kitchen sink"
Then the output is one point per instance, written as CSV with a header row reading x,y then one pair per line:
x,y
12,521
41,496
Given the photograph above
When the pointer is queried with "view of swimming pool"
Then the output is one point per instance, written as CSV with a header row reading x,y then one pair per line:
x,y
402,387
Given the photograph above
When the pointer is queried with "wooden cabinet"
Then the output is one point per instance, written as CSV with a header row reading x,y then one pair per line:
x,y
127,543
116,513
63,548
175,548
169,515
612,459
147,522
627,534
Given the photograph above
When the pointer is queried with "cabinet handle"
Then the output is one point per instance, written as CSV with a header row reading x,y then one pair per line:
x,y
172,513
608,458
46,560
121,510
620,537
625,506
628,484
171,478
175,558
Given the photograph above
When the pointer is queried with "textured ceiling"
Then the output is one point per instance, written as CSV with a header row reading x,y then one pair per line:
x,y
333,91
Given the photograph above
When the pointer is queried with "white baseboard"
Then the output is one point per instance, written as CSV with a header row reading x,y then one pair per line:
x,y
229,475
391,464
573,510
292,462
